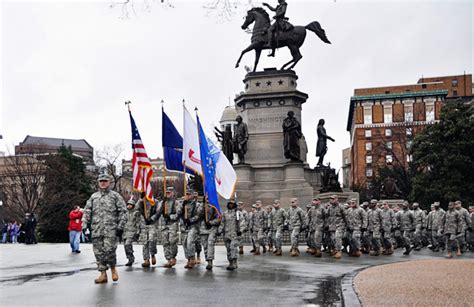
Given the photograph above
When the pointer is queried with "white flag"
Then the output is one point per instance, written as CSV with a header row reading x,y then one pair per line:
x,y
191,151
226,178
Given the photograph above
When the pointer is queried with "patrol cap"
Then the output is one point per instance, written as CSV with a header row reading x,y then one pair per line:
x,y
316,198
104,177
254,206
334,196
373,201
188,191
240,203
131,202
231,201
169,189
353,200
308,206
436,204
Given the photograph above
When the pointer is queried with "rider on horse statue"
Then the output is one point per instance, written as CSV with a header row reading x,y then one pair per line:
x,y
281,23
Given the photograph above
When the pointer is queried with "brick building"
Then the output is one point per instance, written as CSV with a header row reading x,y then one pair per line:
x,y
382,121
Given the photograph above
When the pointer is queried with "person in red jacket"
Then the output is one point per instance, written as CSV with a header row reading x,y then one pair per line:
x,y
75,228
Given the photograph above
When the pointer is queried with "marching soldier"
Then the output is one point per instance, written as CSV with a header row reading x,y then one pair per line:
x,y
170,211
279,219
209,227
406,223
337,223
388,225
357,223
374,226
466,222
231,228
131,231
258,225
434,225
191,213
245,216
452,227
418,214
268,227
316,218
105,215
296,224
147,210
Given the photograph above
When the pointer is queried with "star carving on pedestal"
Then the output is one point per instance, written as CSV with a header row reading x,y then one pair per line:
x,y
257,84
269,83
280,82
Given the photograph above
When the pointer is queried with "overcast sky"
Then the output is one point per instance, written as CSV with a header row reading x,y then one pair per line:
x,y
67,67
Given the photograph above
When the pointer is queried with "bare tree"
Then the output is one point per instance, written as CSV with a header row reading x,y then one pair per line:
x,y
21,184
110,159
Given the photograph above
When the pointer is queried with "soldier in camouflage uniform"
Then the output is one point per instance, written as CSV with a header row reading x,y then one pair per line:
x,y
365,239
105,215
466,222
309,240
208,231
253,239
279,218
258,228
388,226
452,228
418,214
296,225
406,224
374,227
170,211
191,213
131,231
435,219
315,224
337,223
231,228
469,229
148,231
245,215
357,223
268,227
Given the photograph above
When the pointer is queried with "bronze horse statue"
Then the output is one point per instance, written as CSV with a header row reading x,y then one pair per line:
x,y
292,39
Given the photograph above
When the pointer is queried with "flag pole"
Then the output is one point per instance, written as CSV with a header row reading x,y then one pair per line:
x,y
202,170
164,169
184,166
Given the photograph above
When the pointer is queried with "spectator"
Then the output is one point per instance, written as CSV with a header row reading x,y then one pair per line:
x,y
5,229
14,232
75,228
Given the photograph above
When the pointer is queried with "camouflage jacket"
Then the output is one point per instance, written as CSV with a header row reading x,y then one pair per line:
x,y
374,220
105,212
231,223
296,217
405,220
418,214
357,218
435,219
315,218
451,222
336,217
258,220
132,226
210,221
465,218
388,220
192,213
170,211
279,218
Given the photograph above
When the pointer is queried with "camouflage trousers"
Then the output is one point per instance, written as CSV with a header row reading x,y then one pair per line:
x,y
105,252
268,236
232,246
128,246
355,240
336,238
208,243
188,240
170,243
198,245
404,238
317,238
417,237
461,238
387,239
436,239
276,236
150,238
452,242
375,240
259,236
295,232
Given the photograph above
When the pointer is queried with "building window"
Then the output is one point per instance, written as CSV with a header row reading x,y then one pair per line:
x,y
368,115
368,133
389,145
388,132
408,113
409,158
368,146
409,131
455,93
388,159
346,161
454,83
368,172
387,114
423,86
368,159
430,112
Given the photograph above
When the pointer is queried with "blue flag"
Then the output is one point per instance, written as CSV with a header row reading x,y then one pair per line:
x,y
209,156
172,143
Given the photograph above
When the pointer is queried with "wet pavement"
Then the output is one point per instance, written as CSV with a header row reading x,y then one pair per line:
x,y
49,275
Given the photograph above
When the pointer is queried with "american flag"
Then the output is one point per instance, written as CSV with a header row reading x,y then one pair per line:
x,y
142,171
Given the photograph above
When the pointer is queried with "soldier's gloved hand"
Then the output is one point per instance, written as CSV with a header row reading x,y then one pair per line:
x,y
119,233
147,222
348,228
239,233
136,237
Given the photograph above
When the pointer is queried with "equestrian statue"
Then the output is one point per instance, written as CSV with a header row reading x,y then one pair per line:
x,y
279,34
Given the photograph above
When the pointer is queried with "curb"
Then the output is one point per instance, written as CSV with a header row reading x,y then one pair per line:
x,y
349,295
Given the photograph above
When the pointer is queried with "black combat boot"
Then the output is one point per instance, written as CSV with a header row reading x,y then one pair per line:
x,y
130,262
407,250
209,265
